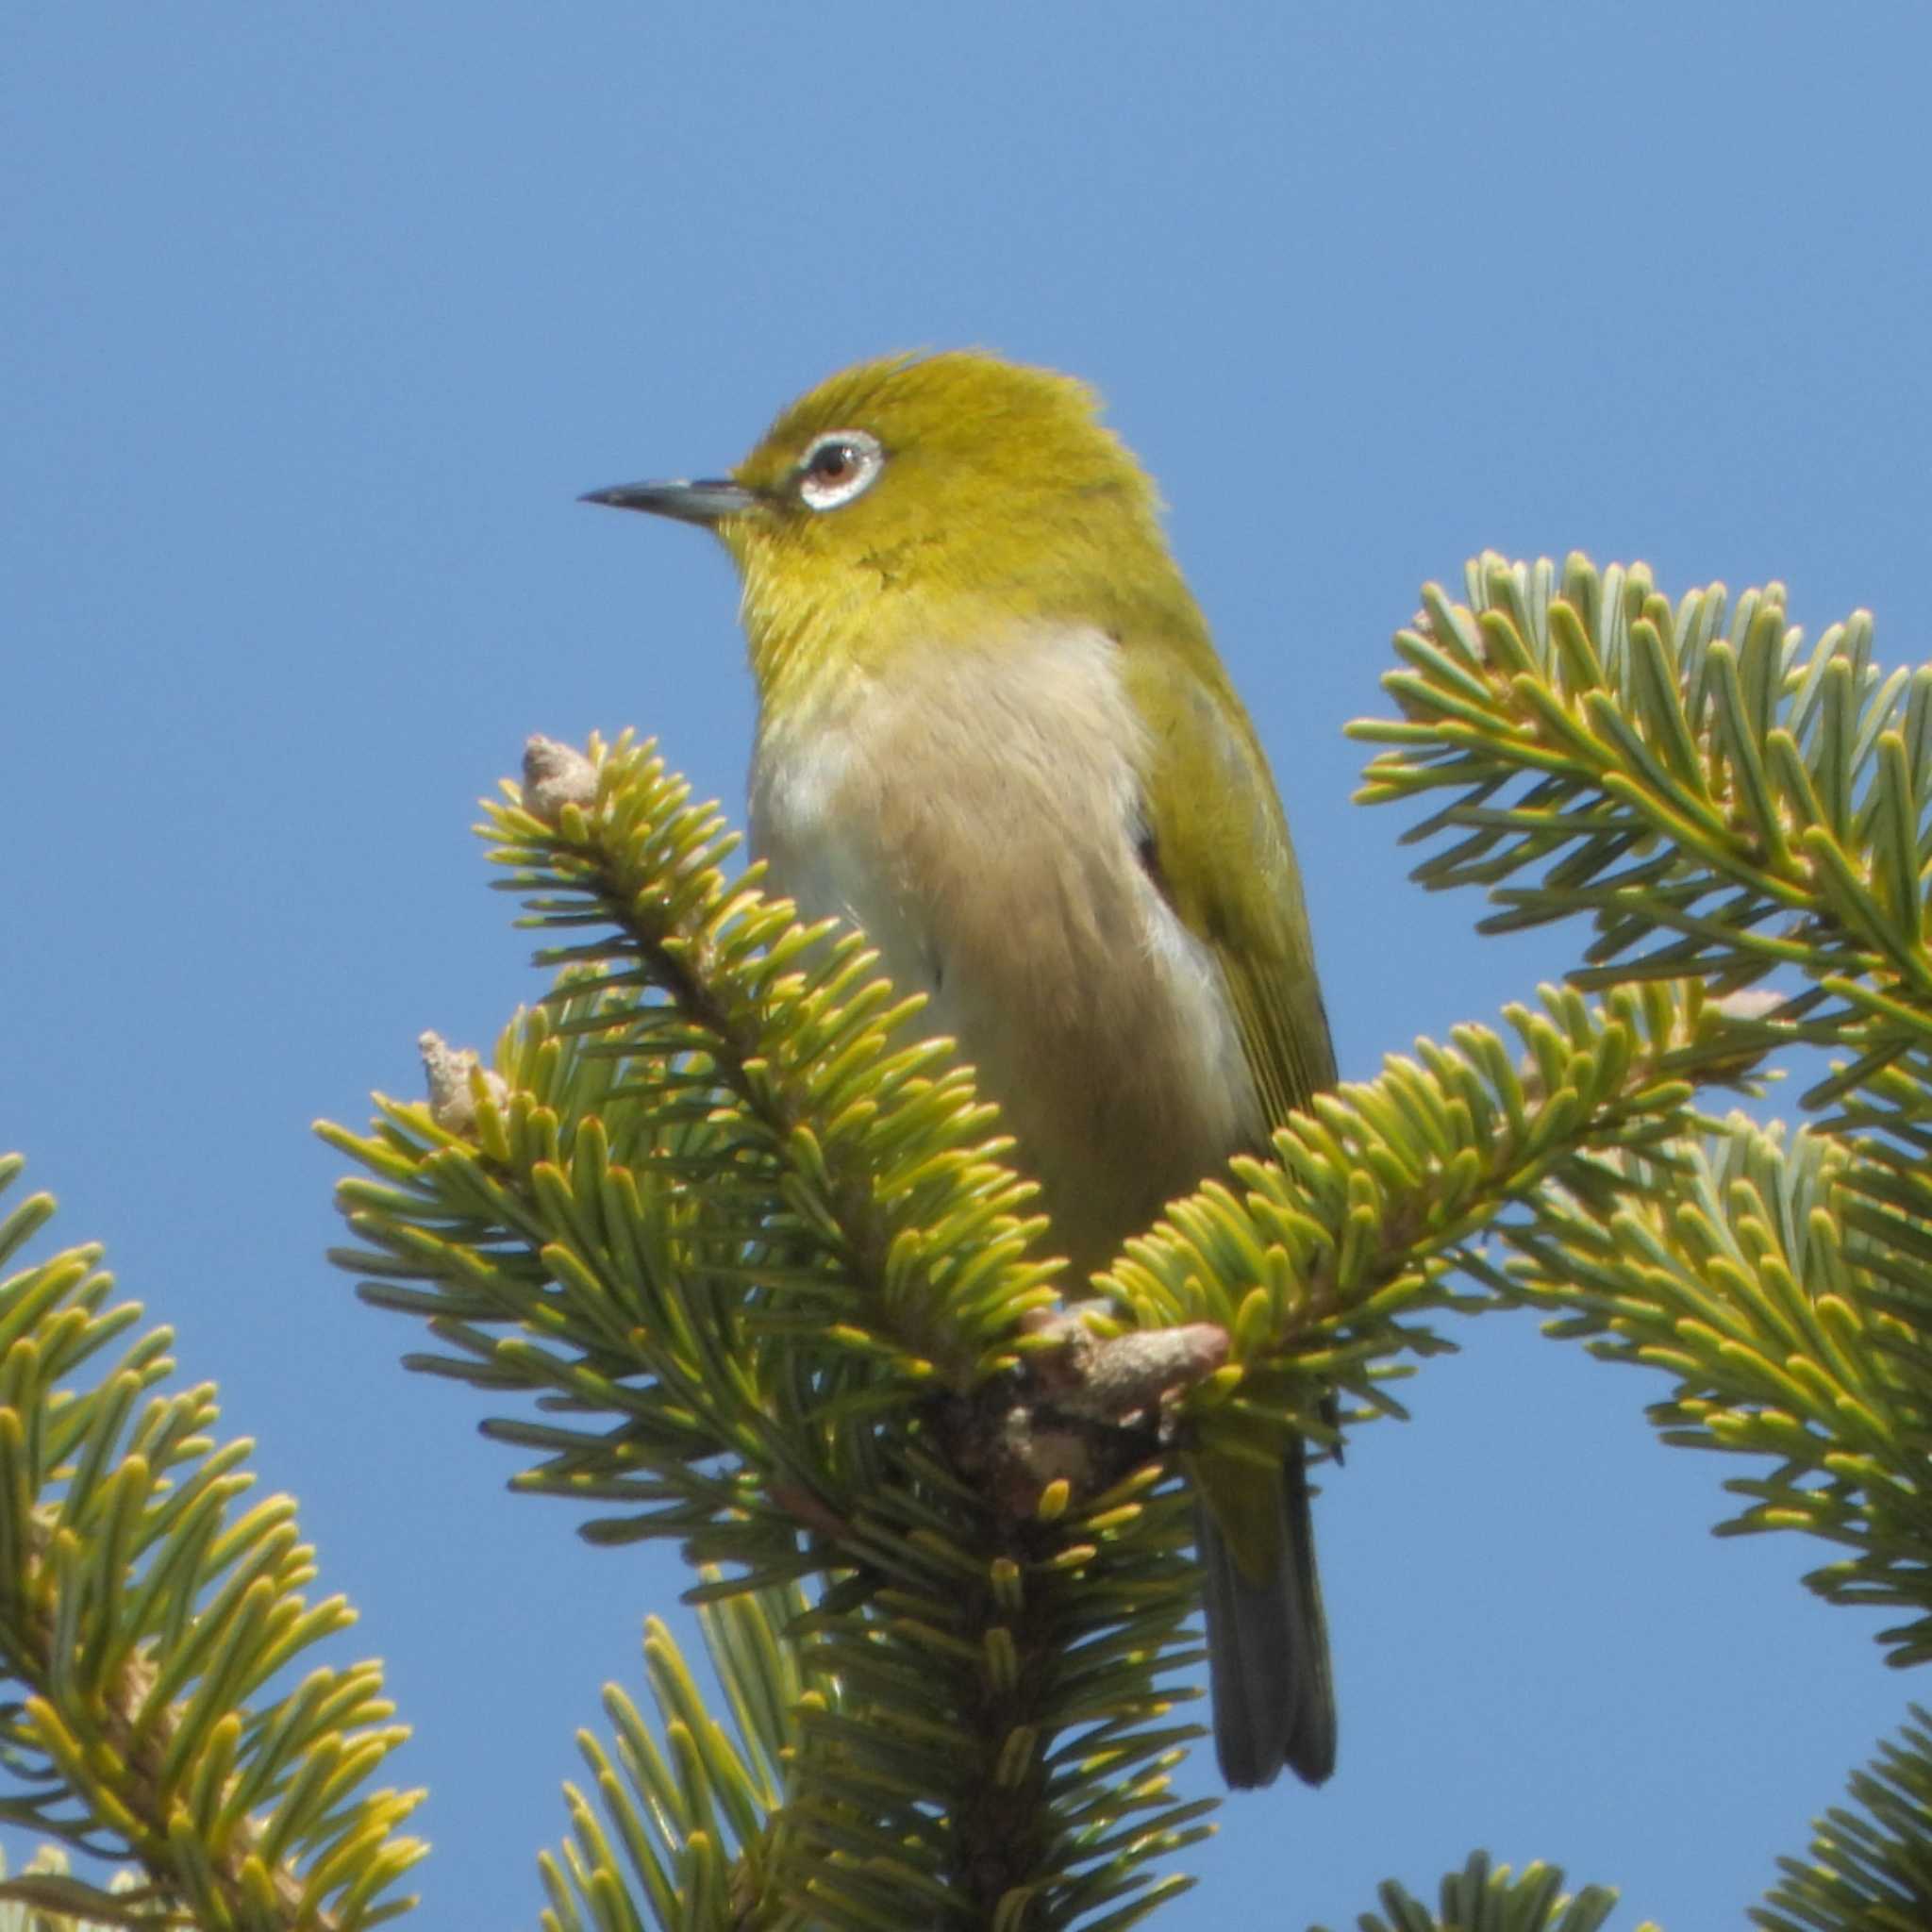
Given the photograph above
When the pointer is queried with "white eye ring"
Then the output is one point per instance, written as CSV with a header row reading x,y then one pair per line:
x,y
839,465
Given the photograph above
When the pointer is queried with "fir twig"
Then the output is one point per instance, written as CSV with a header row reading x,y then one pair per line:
x,y
142,1622
1491,1898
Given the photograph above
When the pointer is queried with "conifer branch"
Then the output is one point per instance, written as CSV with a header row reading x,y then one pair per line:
x,y
1319,1262
717,1197
1495,1898
1747,1280
683,1812
620,1217
143,1623
1690,779
1868,1873
1718,801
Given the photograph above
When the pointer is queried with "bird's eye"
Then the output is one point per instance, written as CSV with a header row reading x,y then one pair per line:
x,y
838,466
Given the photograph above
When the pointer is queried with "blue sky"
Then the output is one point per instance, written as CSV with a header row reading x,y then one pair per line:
x,y
317,321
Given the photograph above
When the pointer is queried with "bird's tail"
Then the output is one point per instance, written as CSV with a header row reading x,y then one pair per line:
x,y
1268,1647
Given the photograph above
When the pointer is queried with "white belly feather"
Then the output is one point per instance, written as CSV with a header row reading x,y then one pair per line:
x,y
978,815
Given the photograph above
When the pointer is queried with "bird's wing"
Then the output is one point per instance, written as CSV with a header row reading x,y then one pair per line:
x,y
1221,851
1218,843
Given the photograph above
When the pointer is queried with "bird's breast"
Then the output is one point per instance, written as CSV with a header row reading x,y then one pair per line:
x,y
979,813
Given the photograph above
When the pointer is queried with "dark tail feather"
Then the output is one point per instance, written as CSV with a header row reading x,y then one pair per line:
x,y
1267,1650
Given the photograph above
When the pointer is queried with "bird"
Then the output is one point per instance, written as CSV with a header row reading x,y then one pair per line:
x,y
995,733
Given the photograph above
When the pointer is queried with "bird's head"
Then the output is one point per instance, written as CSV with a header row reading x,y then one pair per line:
x,y
916,502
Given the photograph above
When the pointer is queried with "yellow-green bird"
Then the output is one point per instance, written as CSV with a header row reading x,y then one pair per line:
x,y
995,733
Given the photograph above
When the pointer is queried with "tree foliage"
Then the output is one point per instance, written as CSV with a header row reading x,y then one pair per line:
x,y
745,1256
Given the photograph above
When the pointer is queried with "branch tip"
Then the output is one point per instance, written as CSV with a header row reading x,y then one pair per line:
x,y
450,1073
1121,1378
555,775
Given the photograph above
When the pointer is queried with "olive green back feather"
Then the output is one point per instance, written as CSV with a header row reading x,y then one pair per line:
x,y
1229,871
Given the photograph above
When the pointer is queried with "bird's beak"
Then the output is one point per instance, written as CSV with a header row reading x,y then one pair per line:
x,y
709,500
